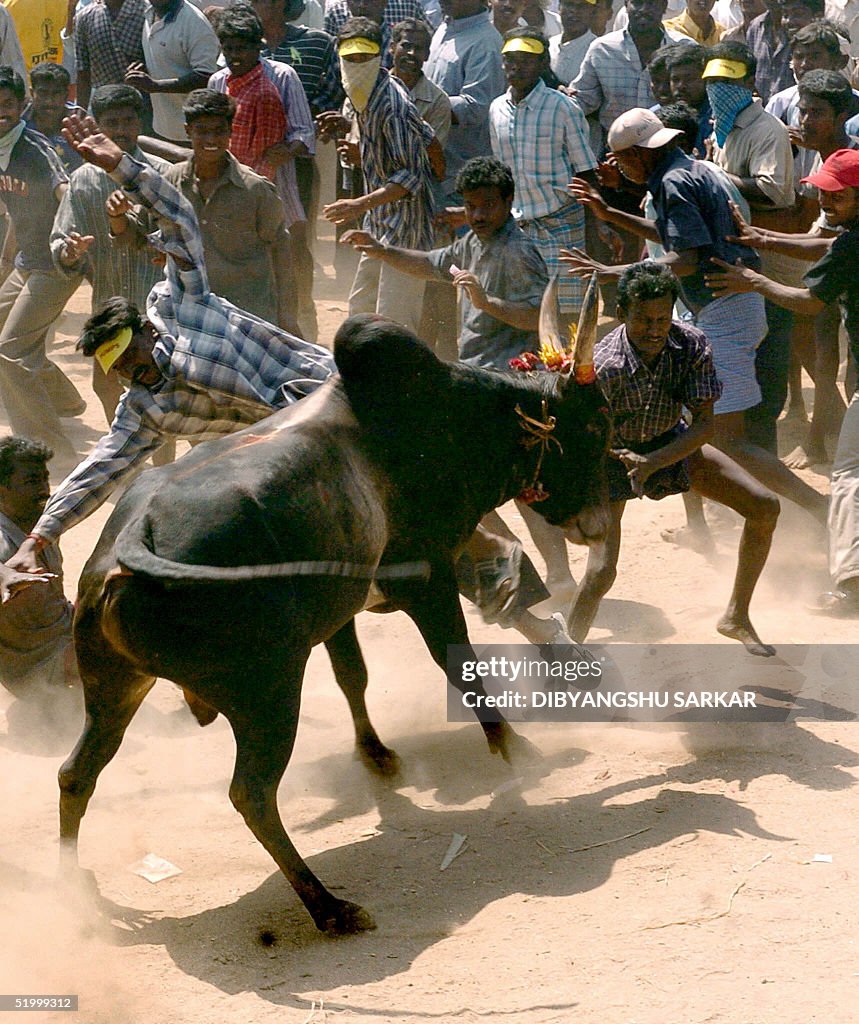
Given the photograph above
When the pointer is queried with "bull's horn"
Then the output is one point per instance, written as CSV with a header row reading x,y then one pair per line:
x,y
554,325
586,333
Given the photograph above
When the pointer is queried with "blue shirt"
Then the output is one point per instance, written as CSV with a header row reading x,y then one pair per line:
x,y
465,61
692,212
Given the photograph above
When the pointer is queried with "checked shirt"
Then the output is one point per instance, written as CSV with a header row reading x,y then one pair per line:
x,y
644,402
222,368
106,45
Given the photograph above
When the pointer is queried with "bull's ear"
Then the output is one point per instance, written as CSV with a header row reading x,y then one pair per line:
x,y
554,325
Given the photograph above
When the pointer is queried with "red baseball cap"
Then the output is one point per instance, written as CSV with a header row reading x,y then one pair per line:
x,y
839,171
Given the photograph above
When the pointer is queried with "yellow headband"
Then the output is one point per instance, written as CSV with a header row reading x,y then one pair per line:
x,y
725,69
109,351
522,44
358,45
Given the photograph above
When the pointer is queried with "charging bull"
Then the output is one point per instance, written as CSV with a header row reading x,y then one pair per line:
x,y
221,572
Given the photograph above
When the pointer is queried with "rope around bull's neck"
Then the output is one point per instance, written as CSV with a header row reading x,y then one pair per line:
x,y
537,432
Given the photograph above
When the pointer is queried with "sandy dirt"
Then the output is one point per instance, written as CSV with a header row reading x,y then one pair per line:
x,y
698,900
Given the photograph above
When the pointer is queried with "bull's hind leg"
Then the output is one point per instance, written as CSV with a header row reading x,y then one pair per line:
x,y
435,609
265,735
350,671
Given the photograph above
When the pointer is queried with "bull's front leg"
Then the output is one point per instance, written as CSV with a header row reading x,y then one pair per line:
x,y
435,609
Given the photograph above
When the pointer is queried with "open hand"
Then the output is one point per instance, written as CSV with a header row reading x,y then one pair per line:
x,y
117,204
82,134
343,211
75,247
14,582
581,265
465,279
747,234
139,77
732,279
588,196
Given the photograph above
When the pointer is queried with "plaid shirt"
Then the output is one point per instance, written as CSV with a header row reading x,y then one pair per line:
x,y
337,14
394,138
106,45
772,51
222,368
544,140
259,122
611,79
644,402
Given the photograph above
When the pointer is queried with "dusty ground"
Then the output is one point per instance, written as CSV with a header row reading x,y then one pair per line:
x,y
700,906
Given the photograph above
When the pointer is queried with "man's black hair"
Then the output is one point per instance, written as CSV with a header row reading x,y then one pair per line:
x,y
829,34
115,97
208,103
683,117
736,51
15,450
361,28
682,54
240,22
817,6
410,25
48,73
485,172
831,87
659,61
116,314
645,281
11,80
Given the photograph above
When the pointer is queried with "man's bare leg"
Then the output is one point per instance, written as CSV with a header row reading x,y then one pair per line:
x,y
696,533
730,438
552,545
599,577
715,476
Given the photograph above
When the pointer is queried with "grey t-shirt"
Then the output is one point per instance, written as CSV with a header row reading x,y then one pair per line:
x,y
510,267
36,625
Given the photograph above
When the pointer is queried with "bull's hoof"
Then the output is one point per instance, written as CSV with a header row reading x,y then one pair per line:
x,y
515,749
345,918
379,759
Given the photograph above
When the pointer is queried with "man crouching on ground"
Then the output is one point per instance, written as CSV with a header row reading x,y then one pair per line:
x,y
649,369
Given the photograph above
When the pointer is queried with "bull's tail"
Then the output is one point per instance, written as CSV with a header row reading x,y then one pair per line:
x,y
134,556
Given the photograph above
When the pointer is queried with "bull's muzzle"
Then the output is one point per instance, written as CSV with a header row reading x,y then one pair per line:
x,y
590,526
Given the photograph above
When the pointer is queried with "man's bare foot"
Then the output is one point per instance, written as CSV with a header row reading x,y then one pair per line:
x,y
687,536
744,631
804,456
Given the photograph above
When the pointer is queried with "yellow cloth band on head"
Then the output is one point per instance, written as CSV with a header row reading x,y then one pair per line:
x,y
725,69
109,351
350,46
522,44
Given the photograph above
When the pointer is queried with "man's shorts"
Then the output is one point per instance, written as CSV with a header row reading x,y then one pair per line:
x,y
673,479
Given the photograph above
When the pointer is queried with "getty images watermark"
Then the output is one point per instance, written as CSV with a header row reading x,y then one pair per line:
x,y
652,683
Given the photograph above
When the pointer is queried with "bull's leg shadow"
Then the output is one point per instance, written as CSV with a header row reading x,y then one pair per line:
x,y
435,609
265,735
350,671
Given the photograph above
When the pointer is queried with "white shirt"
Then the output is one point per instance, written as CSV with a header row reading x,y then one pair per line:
x,y
566,58
173,47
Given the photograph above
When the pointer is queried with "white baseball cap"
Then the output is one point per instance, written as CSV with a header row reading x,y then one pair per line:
x,y
639,127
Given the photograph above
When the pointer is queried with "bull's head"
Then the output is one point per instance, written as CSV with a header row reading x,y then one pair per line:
x,y
574,474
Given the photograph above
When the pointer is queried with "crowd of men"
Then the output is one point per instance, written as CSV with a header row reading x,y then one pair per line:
x,y
165,152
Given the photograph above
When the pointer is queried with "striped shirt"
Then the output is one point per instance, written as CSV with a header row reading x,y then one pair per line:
x,y
105,44
222,368
544,140
394,138
772,52
646,402
313,55
115,266
337,14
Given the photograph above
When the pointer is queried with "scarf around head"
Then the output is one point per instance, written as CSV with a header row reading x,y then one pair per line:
x,y
7,144
726,101
359,79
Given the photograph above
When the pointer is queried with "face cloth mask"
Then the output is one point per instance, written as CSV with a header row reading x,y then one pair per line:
x,y
359,79
7,144
726,101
